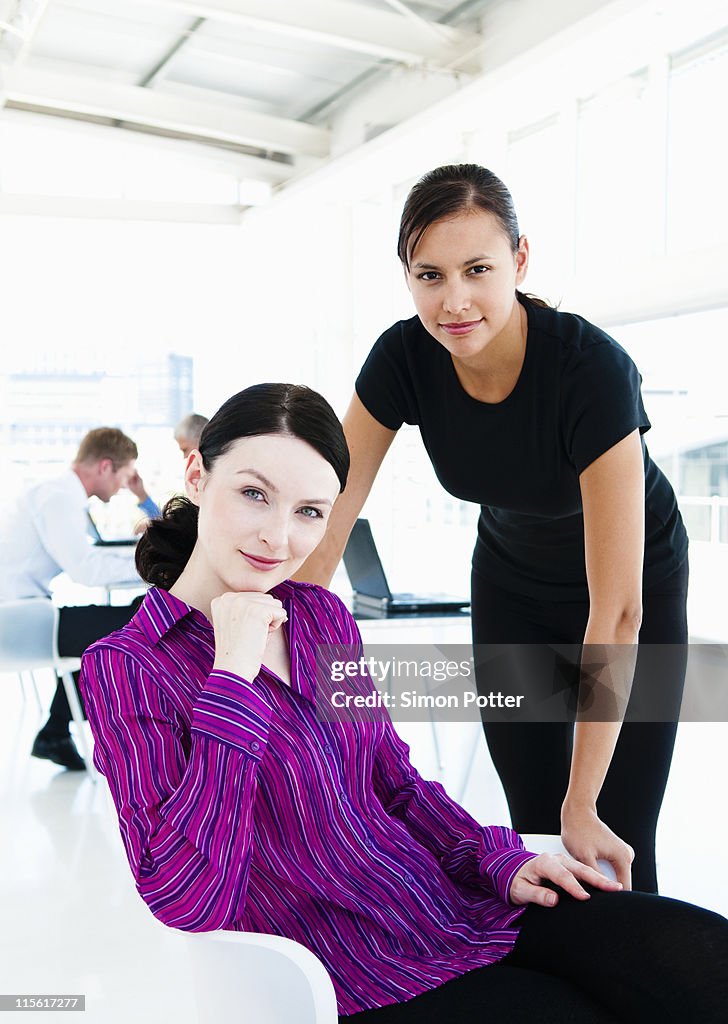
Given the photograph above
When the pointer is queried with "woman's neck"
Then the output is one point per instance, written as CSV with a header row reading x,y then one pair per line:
x,y
197,593
492,374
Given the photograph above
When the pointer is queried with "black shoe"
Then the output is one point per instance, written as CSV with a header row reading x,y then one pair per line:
x,y
60,750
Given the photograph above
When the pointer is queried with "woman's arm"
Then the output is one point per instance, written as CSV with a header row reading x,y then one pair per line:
x,y
185,797
472,854
613,501
368,443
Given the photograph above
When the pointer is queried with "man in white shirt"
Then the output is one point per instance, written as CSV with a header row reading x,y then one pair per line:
x,y
48,533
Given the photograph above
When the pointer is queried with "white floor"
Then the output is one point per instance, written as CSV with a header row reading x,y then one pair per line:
x,y
72,922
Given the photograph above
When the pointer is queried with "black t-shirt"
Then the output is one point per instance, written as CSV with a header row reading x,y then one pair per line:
x,y
578,394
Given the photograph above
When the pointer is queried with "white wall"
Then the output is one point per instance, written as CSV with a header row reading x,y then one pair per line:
x,y
346,213
301,289
593,97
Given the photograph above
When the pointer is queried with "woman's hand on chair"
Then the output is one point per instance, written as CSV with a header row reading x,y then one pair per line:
x,y
561,869
242,623
587,838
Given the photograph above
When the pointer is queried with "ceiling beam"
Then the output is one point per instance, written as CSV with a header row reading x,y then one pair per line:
x,y
155,109
119,209
16,35
230,159
341,23
173,50
407,12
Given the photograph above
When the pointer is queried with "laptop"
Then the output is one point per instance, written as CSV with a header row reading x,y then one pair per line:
x,y
370,587
102,542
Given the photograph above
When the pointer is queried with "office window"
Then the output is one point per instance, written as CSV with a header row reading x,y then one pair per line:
x,y
540,178
618,217
684,364
48,405
697,210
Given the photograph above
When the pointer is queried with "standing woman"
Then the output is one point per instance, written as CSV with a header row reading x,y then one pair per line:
x,y
536,415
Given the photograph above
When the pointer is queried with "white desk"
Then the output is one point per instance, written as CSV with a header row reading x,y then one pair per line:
x,y
447,750
124,593
416,629
65,592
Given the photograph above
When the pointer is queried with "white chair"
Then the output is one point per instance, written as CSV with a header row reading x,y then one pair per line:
x,y
29,641
552,844
21,680
246,976
241,976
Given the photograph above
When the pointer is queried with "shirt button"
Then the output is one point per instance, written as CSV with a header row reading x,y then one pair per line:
x,y
328,749
369,841
442,919
255,745
408,878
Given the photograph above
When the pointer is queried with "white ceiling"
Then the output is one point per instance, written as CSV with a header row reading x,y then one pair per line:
x,y
266,78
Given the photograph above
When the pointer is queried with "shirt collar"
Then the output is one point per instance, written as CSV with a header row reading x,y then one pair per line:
x,y
72,481
160,611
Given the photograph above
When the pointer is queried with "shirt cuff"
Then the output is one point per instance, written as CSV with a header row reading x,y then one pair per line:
x,y
234,711
501,866
150,508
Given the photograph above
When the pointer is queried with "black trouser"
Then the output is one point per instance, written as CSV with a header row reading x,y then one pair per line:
x,y
533,759
617,957
78,628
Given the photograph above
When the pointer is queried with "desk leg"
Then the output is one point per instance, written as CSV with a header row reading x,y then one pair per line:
x,y
471,761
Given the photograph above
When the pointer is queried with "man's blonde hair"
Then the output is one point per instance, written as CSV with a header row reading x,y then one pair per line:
x,y
107,443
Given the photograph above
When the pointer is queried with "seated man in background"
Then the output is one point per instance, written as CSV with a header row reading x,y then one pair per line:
x,y
146,504
187,432
46,533
187,435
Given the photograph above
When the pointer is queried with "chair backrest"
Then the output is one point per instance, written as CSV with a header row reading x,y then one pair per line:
x,y
538,843
266,979
28,630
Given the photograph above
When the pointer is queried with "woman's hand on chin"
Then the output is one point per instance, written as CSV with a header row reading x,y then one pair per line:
x,y
242,624
561,869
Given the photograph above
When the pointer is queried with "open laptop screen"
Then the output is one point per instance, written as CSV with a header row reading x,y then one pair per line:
x,y
362,562
103,542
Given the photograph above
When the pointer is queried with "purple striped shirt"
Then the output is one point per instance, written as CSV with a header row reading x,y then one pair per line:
x,y
239,809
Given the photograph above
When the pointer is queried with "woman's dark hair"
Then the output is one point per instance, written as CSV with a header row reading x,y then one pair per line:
x,y
448,192
291,409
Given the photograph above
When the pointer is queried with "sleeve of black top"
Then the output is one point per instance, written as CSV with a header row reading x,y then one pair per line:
x,y
602,402
384,385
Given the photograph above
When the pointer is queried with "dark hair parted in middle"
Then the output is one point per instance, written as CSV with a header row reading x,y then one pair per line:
x,y
289,409
451,191
448,192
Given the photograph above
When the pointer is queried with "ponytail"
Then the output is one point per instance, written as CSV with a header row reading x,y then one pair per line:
x,y
167,543
535,300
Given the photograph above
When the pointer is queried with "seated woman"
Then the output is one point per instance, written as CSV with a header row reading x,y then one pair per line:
x,y
240,809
